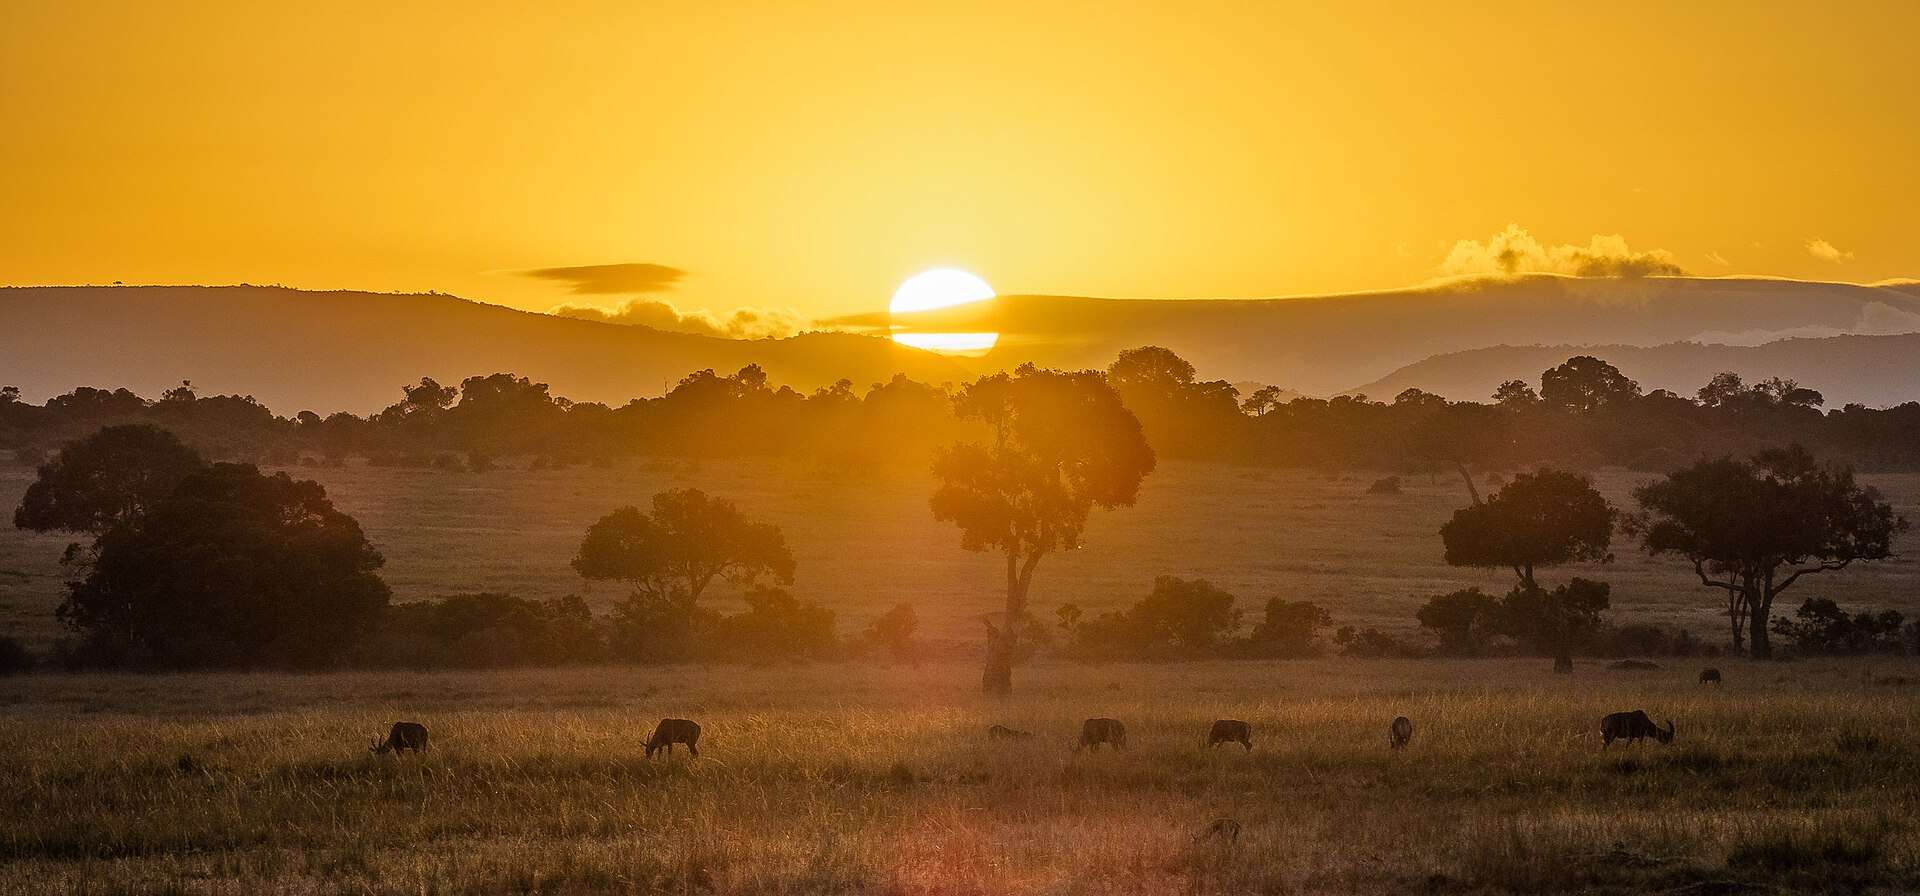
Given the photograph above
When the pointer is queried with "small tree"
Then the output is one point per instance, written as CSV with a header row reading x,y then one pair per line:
x,y
1059,445
893,632
1554,621
1585,383
1288,628
676,552
1754,527
1463,620
1189,616
1545,518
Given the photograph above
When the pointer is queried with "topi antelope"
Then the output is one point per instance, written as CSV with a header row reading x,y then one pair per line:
x,y
1095,732
1230,731
674,731
1632,726
403,736
1399,732
1709,676
1002,732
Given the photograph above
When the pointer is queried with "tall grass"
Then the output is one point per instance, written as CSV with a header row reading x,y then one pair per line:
x,y
868,779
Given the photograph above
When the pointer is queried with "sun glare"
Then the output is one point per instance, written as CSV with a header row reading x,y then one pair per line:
x,y
942,288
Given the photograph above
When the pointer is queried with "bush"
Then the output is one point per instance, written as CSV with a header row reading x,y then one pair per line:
x,y
893,632
775,626
1288,629
1387,486
14,658
1371,643
482,631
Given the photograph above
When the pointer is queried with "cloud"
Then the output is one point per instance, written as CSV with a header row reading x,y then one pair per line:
x,y
741,323
1876,319
611,279
1515,251
1825,251
1718,259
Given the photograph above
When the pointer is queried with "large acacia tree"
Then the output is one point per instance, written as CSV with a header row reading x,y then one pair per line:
x,y
1545,518
1754,527
1059,444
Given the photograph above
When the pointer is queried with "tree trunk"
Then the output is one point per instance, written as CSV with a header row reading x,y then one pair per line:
x,y
1737,618
1759,605
997,677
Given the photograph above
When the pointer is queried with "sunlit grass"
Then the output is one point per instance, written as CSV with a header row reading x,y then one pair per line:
x,y
856,778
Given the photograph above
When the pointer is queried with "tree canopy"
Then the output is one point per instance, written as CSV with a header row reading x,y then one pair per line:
x,y
1544,518
674,553
233,568
106,479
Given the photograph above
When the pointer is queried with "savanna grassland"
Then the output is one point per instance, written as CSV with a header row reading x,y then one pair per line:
x,y
866,542
867,778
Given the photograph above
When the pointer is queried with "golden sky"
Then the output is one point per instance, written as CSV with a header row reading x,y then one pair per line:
x,y
810,156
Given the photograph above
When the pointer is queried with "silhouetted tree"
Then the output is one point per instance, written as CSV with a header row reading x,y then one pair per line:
x,y
1287,628
671,556
232,569
1060,445
107,479
1755,527
1553,621
775,625
1515,394
1821,627
893,631
1463,620
1584,383
1544,518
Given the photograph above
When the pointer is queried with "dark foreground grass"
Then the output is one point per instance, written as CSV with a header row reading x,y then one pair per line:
x,y
868,779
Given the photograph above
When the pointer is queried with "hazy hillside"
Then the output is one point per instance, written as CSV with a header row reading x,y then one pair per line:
x,y
1327,344
354,350
1873,370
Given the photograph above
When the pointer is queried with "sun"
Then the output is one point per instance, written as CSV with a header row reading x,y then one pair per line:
x,y
942,288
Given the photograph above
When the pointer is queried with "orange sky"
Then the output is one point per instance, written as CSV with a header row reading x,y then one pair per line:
x,y
810,156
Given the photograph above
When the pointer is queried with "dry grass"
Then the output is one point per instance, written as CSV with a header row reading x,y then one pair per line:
x,y
855,778
864,545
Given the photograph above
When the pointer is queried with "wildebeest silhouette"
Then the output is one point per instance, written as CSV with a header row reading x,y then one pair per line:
x,y
1094,732
1002,732
1709,675
1632,726
1225,829
402,736
674,731
1399,732
1230,731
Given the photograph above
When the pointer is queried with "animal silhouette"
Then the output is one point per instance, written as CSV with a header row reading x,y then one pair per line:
x,y
1002,732
402,736
1632,726
1223,829
1230,731
674,731
1094,732
1709,676
1400,732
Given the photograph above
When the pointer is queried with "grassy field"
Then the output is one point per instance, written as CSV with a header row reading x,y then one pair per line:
x,y
866,544
862,778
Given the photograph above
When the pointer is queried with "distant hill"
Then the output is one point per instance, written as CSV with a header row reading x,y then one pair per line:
x,y
1876,371
1325,344
328,351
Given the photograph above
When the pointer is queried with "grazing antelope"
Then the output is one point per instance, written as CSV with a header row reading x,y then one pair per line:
x,y
1230,731
1095,732
1399,732
1632,726
1709,676
1002,732
1225,829
674,731
402,736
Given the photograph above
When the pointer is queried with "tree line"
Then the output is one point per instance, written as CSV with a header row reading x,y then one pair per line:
x,y
1582,414
193,563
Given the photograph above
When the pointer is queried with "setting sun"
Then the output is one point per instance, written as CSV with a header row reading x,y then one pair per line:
x,y
942,288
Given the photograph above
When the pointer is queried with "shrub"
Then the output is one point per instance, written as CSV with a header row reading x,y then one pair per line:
x,y
14,658
1388,486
